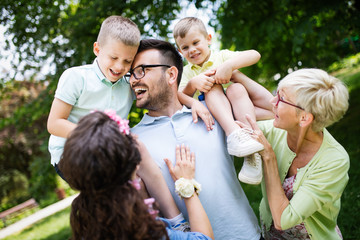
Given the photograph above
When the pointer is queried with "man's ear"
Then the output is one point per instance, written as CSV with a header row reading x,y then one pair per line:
x,y
96,48
173,73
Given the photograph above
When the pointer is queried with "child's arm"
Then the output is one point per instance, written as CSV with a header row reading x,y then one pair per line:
x,y
155,183
240,60
185,168
202,82
57,123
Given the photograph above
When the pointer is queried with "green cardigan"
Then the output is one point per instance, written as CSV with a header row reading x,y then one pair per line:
x,y
317,188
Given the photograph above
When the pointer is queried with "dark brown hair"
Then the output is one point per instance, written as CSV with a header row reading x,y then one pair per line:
x,y
169,54
99,161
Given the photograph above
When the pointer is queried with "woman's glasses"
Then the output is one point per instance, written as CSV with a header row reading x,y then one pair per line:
x,y
280,100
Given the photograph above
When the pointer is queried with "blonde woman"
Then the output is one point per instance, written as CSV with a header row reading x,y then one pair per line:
x,y
305,168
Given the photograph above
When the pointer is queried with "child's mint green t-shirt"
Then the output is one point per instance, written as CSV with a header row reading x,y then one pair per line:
x,y
86,89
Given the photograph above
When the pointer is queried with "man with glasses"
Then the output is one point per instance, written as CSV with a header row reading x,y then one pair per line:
x,y
155,74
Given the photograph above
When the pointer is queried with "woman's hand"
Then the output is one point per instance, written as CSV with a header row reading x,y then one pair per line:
x,y
184,166
266,154
274,190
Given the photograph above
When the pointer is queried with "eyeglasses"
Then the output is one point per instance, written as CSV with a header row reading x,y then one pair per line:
x,y
280,100
139,71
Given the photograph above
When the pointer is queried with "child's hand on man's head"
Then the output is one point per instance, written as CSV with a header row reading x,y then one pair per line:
x,y
204,81
223,74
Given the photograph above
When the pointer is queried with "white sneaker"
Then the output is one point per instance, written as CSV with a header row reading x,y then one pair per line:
x,y
251,171
241,144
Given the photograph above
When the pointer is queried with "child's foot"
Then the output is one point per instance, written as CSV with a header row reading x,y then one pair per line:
x,y
251,171
241,144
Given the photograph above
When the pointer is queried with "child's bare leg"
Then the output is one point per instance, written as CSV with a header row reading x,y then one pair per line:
x,y
239,143
258,94
240,102
155,183
242,105
220,108
263,114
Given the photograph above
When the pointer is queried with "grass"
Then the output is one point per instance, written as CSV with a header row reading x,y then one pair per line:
x,y
346,131
55,227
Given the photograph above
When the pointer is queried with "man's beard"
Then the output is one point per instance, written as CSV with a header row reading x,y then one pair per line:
x,y
158,99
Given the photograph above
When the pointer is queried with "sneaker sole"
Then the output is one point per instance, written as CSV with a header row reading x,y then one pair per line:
x,y
245,153
248,180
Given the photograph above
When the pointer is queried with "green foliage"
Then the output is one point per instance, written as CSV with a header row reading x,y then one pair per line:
x,y
345,63
54,227
43,181
13,189
63,31
347,133
290,34
286,33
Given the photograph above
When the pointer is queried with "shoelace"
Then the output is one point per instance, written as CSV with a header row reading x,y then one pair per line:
x,y
254,161
244,134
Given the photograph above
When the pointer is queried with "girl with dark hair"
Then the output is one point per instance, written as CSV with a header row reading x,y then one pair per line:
x,y
100,160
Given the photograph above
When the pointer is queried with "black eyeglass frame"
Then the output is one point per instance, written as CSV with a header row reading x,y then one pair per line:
x,y
143,67
291,104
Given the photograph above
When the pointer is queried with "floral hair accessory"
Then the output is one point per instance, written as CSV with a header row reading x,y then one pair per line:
x,y
149,202
123,123
136,183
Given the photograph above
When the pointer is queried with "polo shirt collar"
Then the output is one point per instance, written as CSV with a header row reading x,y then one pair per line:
x,y
206,64
149,120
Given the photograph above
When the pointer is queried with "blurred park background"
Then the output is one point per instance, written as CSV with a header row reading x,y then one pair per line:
x,y
41,38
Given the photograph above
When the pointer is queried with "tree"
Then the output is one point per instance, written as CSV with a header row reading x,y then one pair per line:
x,y
63,31
290,34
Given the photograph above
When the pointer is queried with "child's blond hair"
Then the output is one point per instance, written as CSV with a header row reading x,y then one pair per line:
x,y
119,28
184,25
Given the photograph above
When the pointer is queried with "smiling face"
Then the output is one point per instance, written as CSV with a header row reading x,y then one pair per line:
x,y
152,91
114,58
286,116
195,46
